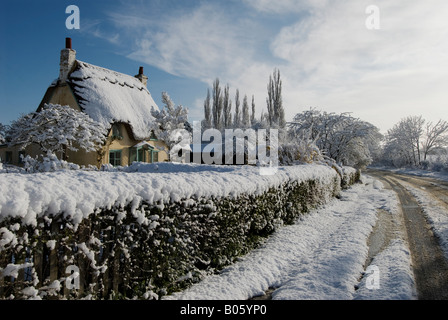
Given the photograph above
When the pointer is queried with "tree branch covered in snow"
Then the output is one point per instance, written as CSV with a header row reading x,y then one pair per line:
x,y
436,136
170,126
410,141
56,128
341,137
2,133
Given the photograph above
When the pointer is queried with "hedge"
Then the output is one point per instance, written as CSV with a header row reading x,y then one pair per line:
x,y
119,255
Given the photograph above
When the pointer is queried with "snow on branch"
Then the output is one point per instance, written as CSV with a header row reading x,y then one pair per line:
x,y
56,128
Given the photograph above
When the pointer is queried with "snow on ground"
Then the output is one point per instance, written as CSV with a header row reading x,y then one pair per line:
x,y
396,279
322,256
436,214
416,172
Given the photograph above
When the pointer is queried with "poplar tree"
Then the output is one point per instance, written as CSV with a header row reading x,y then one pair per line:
x,y
237,118
207,112
246,117
276,113
252,116
217,105
227,106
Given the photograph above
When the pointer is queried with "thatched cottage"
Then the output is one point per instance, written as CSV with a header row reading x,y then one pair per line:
x,y
122,103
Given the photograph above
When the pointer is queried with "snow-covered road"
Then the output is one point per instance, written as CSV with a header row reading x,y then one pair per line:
x,y
425,209
323,256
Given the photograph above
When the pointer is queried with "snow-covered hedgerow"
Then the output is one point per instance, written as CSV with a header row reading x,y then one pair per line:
x,y
145,231
49,163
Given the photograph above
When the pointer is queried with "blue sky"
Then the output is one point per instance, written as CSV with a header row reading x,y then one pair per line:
x,y
327,57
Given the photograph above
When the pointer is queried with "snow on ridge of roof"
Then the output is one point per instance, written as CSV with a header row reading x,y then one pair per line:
x,y
142,144
108,96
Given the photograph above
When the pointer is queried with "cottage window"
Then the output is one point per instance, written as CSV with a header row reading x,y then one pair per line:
x,y
116,131
143,153
137,154
153,136
132,155
154,156
115,157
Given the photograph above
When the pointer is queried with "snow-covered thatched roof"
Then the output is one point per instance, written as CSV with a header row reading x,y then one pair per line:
x,y
108,96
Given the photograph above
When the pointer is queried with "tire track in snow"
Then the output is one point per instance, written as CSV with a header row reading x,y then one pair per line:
x,y
429,263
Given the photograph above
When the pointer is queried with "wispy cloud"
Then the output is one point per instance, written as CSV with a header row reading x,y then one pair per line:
x,y
95,28
285,6
335,62
327,56
201,43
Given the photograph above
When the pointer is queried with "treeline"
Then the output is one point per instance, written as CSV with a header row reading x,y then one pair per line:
x,y
312,136
218,106
412,140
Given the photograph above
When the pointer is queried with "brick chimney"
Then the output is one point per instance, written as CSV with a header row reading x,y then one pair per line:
x,y
140,76
68,58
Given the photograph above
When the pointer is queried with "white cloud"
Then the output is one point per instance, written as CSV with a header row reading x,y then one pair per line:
x,y
201,44
94,28
379,75
327,57
285,6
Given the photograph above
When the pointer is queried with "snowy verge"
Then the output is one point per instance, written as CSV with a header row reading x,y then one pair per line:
x,y
321,256
394,277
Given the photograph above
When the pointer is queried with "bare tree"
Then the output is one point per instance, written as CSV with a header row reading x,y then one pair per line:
x,y
436,135
403,142
413,129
